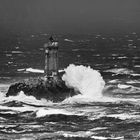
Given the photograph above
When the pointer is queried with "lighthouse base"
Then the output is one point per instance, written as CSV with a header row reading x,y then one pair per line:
x,y
49,88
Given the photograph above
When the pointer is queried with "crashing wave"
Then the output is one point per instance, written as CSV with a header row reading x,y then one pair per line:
x,y
85,81
120,71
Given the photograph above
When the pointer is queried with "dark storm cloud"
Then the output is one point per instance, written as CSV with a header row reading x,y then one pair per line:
x,y
69,15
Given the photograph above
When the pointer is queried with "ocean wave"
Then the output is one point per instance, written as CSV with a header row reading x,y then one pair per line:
x,y
120,71
87,81
122,57
44,112
31,70
133,81
107,138
68,40
137,66
123,86
136,74
34,70
124,116
21,97
16,52
79,134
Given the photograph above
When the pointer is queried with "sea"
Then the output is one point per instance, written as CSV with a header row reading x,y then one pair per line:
x,y
103,68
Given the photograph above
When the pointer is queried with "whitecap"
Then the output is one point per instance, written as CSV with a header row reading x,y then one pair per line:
x,y
21,97
124,116
113,81
120,71
21,70
107,138
34,70
122,57
85,80
98,128
84,134
133,82
122,86
68,40
43,112
8,55
15,52
137,66
135,74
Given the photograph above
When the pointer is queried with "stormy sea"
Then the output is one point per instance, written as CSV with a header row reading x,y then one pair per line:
x,y
103,68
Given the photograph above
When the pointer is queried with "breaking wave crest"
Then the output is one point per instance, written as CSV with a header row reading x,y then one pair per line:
x,y
85,80
88,83
21,97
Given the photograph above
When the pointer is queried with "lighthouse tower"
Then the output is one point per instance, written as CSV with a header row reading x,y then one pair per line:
x,y
51,58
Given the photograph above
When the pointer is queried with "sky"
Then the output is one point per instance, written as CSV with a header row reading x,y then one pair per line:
x,y
69,16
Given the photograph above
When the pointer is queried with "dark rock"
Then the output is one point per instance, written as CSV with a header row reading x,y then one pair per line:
x,y
51,89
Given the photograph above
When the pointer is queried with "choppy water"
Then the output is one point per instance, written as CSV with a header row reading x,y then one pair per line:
x,y
112,112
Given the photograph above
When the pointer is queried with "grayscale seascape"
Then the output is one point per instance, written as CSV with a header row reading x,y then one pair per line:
x,y
103,67
113,114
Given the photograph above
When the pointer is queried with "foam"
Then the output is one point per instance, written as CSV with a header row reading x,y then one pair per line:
x,y
21,97
86,134
16,52
18,109
122,86
137,66
107,138
120,71
43,112
135,74
83,134
34,70
30,70
124,116
68,40
133,81
113,81
122,57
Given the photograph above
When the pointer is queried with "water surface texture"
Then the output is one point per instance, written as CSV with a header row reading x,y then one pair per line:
x,y
105,69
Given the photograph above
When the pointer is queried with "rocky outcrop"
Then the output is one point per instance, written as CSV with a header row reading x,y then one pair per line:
x,y
51,89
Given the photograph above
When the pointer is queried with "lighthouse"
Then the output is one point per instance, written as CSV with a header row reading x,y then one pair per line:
x,y
50,85
51,58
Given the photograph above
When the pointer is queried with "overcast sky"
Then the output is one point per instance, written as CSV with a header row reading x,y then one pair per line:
x,y
70,16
